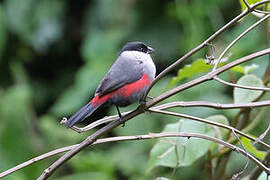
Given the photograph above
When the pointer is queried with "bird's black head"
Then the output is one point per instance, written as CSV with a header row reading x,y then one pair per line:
x,y
137,46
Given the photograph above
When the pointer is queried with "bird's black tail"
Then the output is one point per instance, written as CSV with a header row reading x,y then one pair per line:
x,y
81,114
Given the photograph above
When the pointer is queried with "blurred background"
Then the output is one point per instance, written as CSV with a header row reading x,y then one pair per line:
x,y
53,54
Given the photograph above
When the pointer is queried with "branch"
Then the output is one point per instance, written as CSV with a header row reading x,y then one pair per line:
x,y
246,3
255,173
241,86
236,176
91,139
211,105
36,159
137,137
260,138
206,77
98,122
177,104
206,42
208,122
88,141
238,38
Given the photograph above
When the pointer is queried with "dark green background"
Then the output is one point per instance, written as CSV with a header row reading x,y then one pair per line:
x,y
53,53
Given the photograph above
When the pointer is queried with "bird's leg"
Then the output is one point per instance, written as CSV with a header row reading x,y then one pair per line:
x,y
120,115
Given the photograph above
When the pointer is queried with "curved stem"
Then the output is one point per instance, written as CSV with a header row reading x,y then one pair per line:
x,y
193,51
136,137
241,86
199,47
206,77
208,122
238,38
92,138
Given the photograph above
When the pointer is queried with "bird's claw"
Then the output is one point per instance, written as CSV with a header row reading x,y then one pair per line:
x,y
142,102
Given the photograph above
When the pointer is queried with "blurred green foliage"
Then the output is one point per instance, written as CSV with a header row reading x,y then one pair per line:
x,y
53,54
244,95
181,152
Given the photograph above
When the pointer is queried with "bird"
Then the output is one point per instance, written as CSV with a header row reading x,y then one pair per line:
x,y
124,83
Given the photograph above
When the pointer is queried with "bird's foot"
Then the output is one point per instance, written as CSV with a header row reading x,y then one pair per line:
x,y
143,102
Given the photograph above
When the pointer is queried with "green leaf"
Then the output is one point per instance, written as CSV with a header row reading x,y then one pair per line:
x,y
250,2
239,69
263,176
172,152
219,119
198,66
244,95
245,69
250,148
165,150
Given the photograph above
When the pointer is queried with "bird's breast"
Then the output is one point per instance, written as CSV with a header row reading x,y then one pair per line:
x,y
150,69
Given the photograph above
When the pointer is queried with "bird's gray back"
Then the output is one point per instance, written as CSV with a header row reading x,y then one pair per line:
x,y
125,70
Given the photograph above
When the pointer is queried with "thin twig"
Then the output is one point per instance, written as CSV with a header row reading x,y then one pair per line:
x,y
99,122
88,141
211,105
199,47
208,122
193,51
178,104
260,138
91,139
36,159
137,137
247,129
237,39
241,86
236,176
206,77
255,173
246,3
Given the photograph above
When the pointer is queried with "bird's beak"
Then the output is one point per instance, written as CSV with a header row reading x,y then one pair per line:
x,y
150,50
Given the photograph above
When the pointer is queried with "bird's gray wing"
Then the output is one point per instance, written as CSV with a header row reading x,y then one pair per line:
x,y
123,71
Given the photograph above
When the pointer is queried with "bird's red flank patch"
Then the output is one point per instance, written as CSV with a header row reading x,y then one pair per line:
x,y
124,91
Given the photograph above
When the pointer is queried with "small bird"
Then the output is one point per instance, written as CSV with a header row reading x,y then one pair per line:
x,y
125,82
